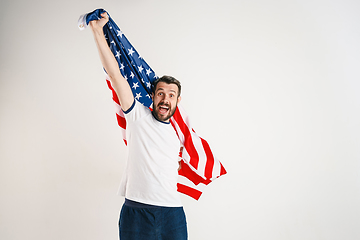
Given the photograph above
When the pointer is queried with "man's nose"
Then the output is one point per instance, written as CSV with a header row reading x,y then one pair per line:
x,y
166,99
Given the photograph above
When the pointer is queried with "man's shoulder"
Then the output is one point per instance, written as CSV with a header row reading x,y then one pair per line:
x,y
137,105
131,107
136,111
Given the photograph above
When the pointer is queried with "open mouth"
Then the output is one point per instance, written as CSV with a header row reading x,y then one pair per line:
x,y
163,109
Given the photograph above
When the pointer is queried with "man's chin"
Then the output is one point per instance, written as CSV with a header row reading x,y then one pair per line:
x,y
160,117
163,118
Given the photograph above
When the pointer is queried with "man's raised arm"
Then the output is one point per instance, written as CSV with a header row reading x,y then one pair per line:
x,y
110,64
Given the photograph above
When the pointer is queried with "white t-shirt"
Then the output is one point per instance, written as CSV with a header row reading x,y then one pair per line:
x,y
151,172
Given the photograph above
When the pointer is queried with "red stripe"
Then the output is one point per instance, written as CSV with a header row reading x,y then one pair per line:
x,y
121,121
188,143
209,159
186,171
222,171
189,191
115,97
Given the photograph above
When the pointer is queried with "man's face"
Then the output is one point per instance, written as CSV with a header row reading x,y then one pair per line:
x,y
165,100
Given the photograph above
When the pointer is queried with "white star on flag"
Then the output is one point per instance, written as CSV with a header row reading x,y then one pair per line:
x,y
148,84
132,75
148,71
131,51
122,66
140,68
113,42
117,54
136,85
138,96
119,34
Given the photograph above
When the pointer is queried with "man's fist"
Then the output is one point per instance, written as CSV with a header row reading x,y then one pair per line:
x,y
99,24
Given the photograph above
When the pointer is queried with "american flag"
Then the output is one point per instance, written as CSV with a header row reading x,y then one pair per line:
x,y
199,166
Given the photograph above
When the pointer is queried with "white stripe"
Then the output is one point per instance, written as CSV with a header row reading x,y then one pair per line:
x,y
119,110
123,133
201,152
178,131
186,158
216,169
185,181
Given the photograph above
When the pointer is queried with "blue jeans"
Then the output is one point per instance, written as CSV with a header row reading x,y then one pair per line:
x,y
152,223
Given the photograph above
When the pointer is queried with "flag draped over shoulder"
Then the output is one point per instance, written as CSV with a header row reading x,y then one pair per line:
x,y
198,164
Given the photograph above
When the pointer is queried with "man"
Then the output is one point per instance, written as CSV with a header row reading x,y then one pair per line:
x,y
152,208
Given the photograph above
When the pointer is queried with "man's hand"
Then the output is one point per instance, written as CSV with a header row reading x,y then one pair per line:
x,y
99,24
180,155
179,166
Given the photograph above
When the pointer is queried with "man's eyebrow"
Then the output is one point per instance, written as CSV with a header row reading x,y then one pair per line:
x,y
171,90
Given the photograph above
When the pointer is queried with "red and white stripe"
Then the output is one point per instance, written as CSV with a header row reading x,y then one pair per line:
x,y
199,165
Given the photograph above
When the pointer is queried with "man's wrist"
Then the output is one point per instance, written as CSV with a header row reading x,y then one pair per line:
x,y
98,31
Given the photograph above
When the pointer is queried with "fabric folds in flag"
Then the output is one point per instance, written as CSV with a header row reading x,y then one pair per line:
x,y
199,165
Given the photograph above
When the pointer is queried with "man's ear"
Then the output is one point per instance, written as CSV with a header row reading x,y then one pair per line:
x,y
179,99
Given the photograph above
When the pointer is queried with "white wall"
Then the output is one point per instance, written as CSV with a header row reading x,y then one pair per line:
x,y
272,85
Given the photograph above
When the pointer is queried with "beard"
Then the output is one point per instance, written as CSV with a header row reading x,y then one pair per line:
x,y
160,114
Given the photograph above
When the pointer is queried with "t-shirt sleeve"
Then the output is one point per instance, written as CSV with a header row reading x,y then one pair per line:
x,y
136,111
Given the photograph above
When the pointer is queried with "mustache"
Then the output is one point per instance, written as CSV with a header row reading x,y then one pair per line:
x,y
163,104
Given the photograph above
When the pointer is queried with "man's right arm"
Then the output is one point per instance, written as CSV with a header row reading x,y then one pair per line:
x,y
110,64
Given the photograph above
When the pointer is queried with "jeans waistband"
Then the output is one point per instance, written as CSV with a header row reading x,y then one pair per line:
x,y
135,204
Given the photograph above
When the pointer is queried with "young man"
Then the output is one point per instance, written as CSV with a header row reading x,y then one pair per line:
x,y
152,208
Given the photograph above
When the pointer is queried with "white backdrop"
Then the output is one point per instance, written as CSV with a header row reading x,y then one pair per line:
x,y
272,85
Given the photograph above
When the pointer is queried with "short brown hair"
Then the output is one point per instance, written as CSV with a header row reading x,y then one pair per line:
x,y
168,80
